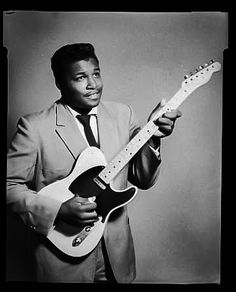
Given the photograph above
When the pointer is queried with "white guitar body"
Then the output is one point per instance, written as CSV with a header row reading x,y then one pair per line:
x,y
77,241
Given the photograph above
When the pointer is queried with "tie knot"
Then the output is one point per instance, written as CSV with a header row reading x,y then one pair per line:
x,y
84,119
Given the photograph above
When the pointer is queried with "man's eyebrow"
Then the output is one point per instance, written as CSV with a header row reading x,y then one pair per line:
x,y
80,73
84,72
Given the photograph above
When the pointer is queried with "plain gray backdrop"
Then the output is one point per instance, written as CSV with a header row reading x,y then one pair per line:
x,y
143,58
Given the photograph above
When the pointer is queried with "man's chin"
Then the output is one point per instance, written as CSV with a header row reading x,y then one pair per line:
x,y
85,108
93,103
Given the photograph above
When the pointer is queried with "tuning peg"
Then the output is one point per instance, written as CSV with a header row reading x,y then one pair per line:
x,y
206,64
186,76
196,70
201,67
211,61
191,73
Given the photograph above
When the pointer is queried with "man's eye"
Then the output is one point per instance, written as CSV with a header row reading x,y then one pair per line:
x,y
97,74
79,78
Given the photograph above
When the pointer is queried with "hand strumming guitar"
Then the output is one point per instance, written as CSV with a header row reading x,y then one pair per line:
x,y
78,211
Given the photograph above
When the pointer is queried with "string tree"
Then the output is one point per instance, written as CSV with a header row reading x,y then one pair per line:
x,y
186,77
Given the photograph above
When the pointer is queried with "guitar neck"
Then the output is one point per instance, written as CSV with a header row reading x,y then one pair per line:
x,y
188,86
126,154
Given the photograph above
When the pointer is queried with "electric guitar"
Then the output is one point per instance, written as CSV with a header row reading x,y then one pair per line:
x,y
92,176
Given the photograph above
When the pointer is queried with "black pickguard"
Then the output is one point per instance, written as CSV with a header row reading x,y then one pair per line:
x,y
107,199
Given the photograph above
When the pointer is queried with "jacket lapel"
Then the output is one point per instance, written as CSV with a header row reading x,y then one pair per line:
x,y
68,131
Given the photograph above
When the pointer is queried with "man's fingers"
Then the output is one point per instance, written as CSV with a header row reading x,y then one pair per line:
x,y
165,129
162,102
81,200
159,105
173,114
89,215
87,207
164,121
87,222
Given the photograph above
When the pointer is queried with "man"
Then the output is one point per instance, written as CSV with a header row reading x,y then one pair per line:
x,y
44,150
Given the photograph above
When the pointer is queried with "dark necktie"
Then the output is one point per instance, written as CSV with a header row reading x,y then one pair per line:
x,y
84,119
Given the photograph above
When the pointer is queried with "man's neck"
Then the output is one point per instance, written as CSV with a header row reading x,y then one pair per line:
x,y
74,111
82,111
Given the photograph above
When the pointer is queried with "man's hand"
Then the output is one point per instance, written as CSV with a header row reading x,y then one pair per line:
x,y
166,122
78,211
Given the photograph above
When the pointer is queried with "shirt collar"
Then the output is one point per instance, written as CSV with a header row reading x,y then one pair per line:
x,y
75,113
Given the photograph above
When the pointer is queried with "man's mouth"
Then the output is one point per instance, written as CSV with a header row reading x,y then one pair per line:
x,y
93,95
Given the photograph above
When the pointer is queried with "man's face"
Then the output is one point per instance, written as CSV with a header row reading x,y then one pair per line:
x,y
82,84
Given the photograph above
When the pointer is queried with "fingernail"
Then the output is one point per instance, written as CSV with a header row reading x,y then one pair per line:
x,y
163,102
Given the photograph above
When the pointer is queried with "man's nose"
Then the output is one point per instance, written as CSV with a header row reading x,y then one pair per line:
x,y
91,82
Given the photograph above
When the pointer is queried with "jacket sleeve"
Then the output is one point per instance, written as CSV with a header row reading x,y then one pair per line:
x,y
144,167
37,212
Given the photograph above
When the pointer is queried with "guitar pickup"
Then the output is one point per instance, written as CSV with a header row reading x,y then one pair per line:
x,y
99,183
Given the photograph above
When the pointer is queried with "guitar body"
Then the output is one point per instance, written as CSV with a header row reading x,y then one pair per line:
x,y
79,241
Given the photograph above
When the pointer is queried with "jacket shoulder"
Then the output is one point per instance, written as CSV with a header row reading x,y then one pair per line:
x,y
115,109
41,116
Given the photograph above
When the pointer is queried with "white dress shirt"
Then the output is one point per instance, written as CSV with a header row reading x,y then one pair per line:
x,y
93,123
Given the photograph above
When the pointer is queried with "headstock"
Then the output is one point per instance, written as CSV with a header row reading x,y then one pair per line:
x,y
201,75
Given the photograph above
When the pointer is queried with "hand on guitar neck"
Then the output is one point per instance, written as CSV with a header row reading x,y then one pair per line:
x,y
165,123
78,211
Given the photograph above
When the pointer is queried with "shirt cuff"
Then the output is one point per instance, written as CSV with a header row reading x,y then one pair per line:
x,y
156,151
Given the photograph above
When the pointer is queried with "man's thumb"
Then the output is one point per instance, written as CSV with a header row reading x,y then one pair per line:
x,y
163,102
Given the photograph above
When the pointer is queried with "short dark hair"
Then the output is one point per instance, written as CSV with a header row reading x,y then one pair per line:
x,y
69,54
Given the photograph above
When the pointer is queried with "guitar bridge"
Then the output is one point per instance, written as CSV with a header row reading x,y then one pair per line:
x,y
82,235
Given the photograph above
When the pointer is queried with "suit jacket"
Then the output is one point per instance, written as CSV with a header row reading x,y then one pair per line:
x,y
44,150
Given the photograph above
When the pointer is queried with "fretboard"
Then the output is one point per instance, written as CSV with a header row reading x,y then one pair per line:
x,y
196,80
126,154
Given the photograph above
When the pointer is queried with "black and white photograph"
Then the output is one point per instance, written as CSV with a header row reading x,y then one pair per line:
x,y
114,146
